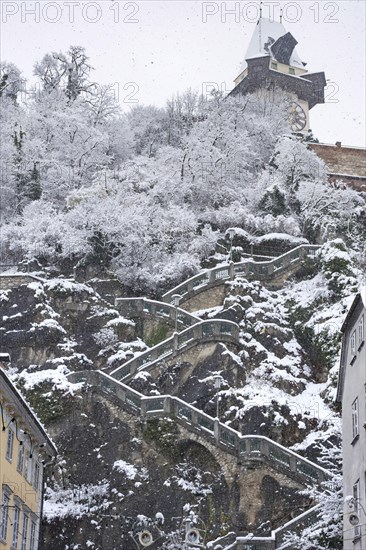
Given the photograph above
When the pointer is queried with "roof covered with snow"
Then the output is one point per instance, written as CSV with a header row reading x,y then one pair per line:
x,y
360,296
25,412
363,295
266,33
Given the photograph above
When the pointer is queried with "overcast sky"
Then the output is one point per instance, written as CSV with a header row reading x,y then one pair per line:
x,y
153,49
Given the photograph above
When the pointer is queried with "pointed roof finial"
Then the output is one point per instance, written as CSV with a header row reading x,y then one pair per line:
x,y
281,12
260,9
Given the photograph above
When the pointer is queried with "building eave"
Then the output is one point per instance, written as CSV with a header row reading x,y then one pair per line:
x,y
17,400
350,312
360,297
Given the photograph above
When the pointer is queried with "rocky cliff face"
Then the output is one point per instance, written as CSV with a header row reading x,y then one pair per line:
x,y
115,466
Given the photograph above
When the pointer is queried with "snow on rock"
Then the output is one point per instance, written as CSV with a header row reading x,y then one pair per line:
x,y
51,324
75,502
125,468
67,286
38,289
309,291
120,321
131,471
280,237
126,351
57,377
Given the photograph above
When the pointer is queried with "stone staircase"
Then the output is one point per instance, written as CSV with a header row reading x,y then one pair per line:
x,y
203,332
191,331
208,288
137,307
277,541
210,284
249,451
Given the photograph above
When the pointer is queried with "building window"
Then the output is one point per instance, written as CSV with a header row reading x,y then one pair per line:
x,y
10,445
14,538
361,331
36,476
20,464
356,497
274,66
4,512
28,467
353,344
291,70
355,430
24,532
32,542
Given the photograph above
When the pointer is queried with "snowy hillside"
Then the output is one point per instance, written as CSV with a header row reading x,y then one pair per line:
x,y
98,206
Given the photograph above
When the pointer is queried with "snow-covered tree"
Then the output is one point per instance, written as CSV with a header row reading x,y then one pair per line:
x,y
11,81
66,73
327,532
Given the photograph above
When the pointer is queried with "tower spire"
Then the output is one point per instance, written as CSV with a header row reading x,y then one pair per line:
x,y
260,9
281,12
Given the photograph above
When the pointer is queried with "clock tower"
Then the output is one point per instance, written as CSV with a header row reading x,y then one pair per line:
x,y
272,63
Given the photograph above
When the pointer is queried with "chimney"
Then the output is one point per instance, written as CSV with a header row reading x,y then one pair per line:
x,y
338,144
4,360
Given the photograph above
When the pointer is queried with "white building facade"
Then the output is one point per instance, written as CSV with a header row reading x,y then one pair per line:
x,y
352,395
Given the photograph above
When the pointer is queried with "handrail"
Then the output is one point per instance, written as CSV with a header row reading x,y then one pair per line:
x,y
20,275
263,270
303,520
138,306
277,540
251,542
248,448
204,331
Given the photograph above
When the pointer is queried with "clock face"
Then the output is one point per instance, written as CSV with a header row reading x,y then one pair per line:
x,y
297,117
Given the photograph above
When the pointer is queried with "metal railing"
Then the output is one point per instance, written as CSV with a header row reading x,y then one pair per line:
x,y
217,330
250,268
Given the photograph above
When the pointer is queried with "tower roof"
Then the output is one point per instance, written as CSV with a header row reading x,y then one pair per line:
x,y
270,38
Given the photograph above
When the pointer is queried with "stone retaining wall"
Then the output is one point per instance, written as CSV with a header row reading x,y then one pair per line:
x,y
8,282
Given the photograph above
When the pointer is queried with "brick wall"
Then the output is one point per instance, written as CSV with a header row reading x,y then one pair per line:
x,y
344,163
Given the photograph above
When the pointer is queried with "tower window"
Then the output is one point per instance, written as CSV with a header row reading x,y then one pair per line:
x,y
274,66
291,70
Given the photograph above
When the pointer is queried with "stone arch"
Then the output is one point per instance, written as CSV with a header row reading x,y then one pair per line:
x,y
191,450
227,462
258,495
222,502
